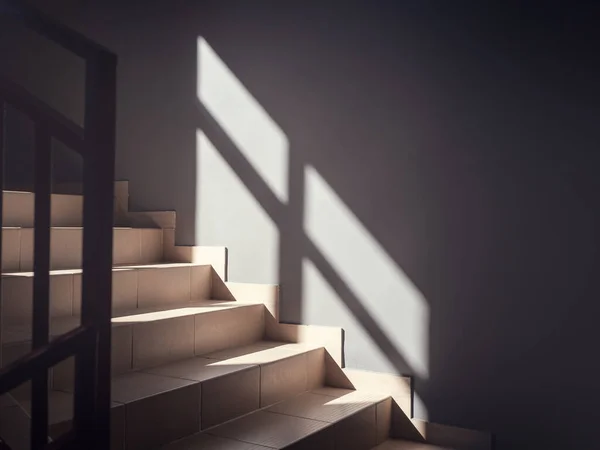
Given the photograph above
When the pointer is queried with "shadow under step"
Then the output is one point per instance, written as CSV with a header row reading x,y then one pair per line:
x,y
156,406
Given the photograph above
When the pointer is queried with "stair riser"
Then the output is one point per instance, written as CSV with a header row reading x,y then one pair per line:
x,y
150,344
132,288
18,210
151,422
130,246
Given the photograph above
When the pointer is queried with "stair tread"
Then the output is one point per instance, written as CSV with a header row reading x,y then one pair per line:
x,y
59,325
208,442
14,424
330,405
400,444
141,384
61,227
116,268
269,429
8,191
60,406
262,352
283,423
205,367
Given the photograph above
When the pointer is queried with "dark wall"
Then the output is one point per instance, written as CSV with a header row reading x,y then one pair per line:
x,y
53,75
460,143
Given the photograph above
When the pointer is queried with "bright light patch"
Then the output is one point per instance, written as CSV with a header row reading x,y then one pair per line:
x,y
228,213
245,121
387,294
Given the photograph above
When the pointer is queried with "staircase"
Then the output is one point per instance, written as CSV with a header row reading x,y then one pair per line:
x,y
197,362
181,359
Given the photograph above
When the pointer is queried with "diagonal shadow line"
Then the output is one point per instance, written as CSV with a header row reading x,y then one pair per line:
x,y
276,211
257,186
355,305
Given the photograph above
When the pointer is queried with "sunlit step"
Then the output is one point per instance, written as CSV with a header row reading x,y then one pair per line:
x,y
130,246
157,406
150,337
143,286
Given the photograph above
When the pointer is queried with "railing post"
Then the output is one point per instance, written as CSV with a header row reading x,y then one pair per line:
x,y
93,383
2,135
41,282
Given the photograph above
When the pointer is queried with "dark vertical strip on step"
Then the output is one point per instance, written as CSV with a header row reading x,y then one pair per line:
x,y
41,282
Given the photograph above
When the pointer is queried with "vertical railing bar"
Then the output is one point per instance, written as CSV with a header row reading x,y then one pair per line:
x,y
2,137
98,190
41,282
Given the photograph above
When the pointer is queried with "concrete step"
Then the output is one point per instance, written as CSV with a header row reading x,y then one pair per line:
x,y
156,406
130,246
323,418
145,286
18,209
151,337
399,444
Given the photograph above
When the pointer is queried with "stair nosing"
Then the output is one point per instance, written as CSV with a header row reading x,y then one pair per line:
x,y
231,304
77,227
122,268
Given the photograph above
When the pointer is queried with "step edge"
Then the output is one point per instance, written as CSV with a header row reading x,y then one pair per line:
x,y
115,268
25,328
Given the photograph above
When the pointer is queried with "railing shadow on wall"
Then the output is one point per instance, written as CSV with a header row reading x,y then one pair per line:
x,y
90,342
337,263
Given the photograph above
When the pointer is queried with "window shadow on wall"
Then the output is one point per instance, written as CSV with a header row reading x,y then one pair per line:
x,y
329,263
490,211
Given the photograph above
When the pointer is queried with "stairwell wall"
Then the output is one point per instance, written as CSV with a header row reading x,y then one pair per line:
x,y
437,196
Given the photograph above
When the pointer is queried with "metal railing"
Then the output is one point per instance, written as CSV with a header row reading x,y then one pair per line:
x,y
90,343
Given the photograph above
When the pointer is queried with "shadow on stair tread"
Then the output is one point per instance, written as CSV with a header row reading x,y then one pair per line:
x,y
187,396
14,424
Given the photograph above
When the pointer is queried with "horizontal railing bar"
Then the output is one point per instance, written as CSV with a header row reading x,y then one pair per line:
x,y
58,350
53,30
61,128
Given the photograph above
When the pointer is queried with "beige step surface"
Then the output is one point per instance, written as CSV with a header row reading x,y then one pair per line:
x,y
149,337
138,286
18,209
324,418
398,444
130,246
157,406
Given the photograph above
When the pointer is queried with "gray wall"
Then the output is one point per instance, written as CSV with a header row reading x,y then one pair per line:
x,y
54,75
421,174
